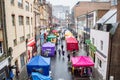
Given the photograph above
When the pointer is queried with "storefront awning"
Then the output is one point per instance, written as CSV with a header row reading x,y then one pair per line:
x,y
109,17
31,43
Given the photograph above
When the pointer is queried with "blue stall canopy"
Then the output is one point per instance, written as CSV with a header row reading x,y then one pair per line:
x,y
39,63
38,76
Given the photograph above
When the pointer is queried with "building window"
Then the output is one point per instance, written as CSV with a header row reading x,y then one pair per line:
x,y
101,45
99,63
93,40
113,2
31,21
20,3
0,19
13,20
28,36
1,50
32,34
27,6
27,21
12,2
31,7
20,20
22,60
15,42
22,39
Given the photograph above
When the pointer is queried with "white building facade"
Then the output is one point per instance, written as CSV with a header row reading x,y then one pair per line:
x,y
100,40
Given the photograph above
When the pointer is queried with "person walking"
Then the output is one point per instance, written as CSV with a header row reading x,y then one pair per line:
x,y
62,47
55,52
59,51
68,57
63,52
74,52
56,44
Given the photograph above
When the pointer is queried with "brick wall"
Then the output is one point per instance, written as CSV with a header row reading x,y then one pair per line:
x,y
100,13
84,7
115,51
115,55
118,8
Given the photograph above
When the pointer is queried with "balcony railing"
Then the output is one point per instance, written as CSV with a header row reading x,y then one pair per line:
x,y
4,56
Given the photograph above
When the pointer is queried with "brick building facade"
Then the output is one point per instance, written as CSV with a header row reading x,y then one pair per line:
x,y
84,7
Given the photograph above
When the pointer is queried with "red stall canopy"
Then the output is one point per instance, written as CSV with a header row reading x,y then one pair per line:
x,y
31,43
54,31
82,61
72,43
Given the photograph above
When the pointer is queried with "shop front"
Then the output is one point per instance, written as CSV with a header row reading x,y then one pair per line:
x,y
82,66
31,49
4,71
92,49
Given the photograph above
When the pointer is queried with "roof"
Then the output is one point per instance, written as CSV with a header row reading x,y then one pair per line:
x,y
71,40
39,61
82,61
109,17
31,43
48,44
38,76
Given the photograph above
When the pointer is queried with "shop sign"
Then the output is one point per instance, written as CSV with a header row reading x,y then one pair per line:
x,y
92,47
87,41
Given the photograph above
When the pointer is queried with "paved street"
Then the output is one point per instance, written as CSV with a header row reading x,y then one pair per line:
x,y
59,65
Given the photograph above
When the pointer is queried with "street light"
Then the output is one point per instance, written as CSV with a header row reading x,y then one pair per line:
x,y
85,36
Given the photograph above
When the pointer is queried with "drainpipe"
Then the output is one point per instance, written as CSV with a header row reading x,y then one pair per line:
x,y
4,32
86,33
109,60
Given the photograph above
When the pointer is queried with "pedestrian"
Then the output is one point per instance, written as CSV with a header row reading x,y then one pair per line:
x,y
63,53
62,46
59,51
68,57
56,44
73,52
55,52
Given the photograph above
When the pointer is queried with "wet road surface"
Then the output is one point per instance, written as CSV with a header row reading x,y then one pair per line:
x,y
59,65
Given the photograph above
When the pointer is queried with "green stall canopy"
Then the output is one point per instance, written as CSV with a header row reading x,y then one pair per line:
x,y
49,37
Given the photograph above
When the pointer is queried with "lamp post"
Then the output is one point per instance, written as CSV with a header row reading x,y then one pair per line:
x,y
86,34
36,30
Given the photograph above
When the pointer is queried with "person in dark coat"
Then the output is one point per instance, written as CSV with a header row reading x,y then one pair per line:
x,y
63,52
59,51
68,57
74,53
62,46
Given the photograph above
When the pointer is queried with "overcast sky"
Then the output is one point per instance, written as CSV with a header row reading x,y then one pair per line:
x,y
70,3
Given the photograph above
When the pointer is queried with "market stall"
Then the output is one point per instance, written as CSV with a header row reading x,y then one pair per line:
x,y
51,38
38,76
39,63
48,49
68,33
82,66
31,49
55,32
72,44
